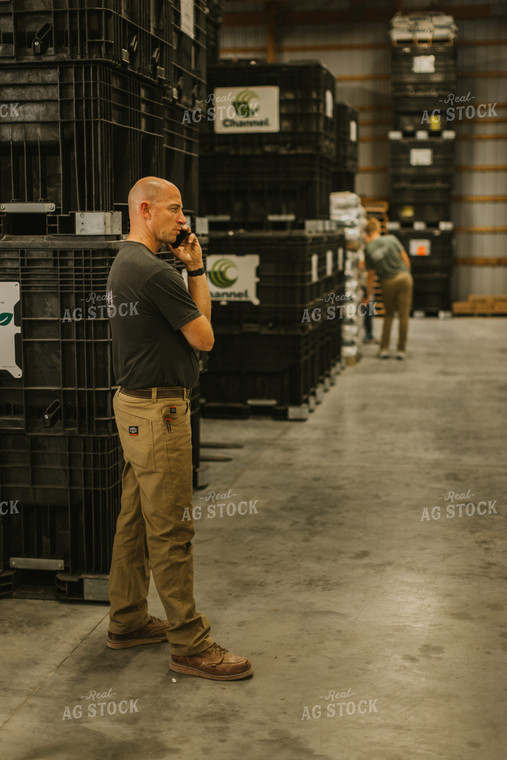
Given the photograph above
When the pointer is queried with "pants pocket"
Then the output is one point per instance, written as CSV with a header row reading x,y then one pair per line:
x,y
136,436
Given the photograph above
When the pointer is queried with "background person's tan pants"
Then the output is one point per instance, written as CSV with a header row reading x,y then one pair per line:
x,y
397,296
151,531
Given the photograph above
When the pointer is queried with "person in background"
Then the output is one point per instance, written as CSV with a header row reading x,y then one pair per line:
x,y
385,256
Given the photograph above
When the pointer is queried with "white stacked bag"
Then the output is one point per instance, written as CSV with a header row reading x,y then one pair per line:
x,y
414,27
347,210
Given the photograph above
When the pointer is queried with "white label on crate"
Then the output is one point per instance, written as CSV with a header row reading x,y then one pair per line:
x,y
420,247
423,64
329,104
315,267
329,263
339,259
353,131
187,17
421,157
233,278
246,109
9,297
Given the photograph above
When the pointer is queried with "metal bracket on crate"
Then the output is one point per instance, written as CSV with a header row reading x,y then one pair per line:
x,y
51,415
36,563
42,39
201,225
27,208
98,222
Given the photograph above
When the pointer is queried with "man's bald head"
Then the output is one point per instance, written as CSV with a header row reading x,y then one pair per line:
x,y
150,189
156,212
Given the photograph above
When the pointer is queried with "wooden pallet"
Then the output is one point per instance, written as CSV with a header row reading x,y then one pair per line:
x,y
481,306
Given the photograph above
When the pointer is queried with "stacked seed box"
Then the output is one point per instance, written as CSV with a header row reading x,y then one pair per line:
x,y
97,96
423,75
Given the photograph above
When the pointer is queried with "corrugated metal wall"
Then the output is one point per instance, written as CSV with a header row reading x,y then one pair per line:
x,y
359,55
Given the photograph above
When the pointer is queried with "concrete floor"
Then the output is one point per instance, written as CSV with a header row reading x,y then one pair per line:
x,y
344,596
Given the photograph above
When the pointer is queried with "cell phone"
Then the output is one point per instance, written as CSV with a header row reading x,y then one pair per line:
x,y
181,237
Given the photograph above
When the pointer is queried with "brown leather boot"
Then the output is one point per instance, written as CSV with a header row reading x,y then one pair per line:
x,y
154,632
215,663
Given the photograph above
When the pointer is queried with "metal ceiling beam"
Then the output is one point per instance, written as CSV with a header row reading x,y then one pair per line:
x,y
298,18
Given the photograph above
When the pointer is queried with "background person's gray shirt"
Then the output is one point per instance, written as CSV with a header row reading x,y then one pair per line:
x,y
384,256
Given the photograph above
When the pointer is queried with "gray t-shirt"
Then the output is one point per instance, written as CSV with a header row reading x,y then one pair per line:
x,y
384,256
151,303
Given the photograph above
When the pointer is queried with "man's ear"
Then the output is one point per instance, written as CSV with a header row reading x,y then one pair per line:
x,y
145,210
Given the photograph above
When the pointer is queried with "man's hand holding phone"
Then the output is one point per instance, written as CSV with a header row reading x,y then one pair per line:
x,y
187,249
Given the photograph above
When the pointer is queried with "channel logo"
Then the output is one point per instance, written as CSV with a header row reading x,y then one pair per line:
x,y
223,273
246,103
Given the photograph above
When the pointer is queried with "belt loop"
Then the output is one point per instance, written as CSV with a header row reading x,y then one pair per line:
x,y
154,394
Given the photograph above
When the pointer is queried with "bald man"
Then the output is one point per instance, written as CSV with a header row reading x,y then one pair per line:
x,y
157,324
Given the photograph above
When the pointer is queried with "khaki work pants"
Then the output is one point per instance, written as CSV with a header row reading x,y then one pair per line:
x,y
397,296
150,530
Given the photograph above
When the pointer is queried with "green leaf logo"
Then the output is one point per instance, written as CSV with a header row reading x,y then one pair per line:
x,y
246,103
220,273
5,318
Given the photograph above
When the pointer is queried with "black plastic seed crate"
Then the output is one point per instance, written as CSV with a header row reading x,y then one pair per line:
x,y
306,108
283,366
428,70
81,136
132,36
422,162
252,188
67,490
64,346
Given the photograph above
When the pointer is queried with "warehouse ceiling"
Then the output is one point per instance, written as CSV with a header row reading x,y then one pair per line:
x,y
294,13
